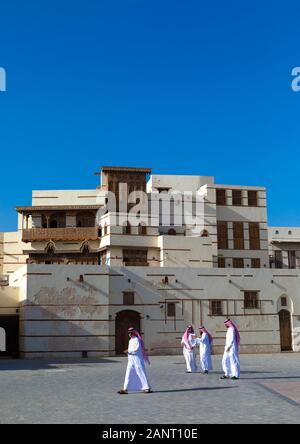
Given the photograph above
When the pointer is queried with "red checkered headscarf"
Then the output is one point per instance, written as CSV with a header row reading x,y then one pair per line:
x,y
137,334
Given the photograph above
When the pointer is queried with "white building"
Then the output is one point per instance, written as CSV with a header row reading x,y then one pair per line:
x,y
73,280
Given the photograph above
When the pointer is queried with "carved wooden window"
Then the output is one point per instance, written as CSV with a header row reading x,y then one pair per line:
x,y
221,197
222,235
278,259
252,198
127,228
292,258
238,235
254,236
251,299
135,257
236,197
128,297
255,263
171,309
142,229
238,262
221,262
216,308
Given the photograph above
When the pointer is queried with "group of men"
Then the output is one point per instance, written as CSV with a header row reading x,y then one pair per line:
x,y
136,377
230,361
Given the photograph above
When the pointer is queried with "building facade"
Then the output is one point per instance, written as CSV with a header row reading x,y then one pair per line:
x,y
78,272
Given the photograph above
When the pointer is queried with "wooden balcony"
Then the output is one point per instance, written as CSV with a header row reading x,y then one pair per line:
x,y
60,234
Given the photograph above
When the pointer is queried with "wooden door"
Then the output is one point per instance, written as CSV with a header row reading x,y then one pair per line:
x,y
285,330
124,320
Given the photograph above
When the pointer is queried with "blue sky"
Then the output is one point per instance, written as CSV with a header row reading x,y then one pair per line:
x,y
183,87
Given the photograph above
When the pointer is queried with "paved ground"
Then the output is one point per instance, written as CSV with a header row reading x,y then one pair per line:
x,y
84,391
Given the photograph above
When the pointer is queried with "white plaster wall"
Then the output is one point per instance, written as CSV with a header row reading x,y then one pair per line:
x,y
178,182
62,315
64,197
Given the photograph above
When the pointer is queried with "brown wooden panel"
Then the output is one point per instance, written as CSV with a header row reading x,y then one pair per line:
x,y
238,235
254,236
285,330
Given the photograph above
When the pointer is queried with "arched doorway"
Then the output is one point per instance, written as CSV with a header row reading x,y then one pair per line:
x,y
285,330
10,325
124,320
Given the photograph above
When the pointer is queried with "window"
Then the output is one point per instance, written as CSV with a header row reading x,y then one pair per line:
x,y
57,220
85,219
278,259
236,197
133,257
292,258
238,235
127,228
238,262
254,236
222,230
128,297
171,311
283,301
276,232
221,262
252,198
142,229
216,308
104,230
251,299
255,263
172,232
290,232
221,197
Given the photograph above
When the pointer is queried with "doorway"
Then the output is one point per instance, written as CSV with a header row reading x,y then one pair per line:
x,y
285,330
124,320
9,330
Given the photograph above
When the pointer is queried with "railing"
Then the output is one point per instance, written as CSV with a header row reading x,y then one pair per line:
x,y
57,234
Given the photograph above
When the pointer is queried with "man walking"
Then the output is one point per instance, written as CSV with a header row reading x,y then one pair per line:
x,y
231,360
135,377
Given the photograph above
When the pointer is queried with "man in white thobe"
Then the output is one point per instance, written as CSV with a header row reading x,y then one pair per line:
x,y
189,343
135,377
205,343
231,360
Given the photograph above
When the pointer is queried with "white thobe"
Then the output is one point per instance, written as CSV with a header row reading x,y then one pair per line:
x,y
231,360
205,352
135,377
190,355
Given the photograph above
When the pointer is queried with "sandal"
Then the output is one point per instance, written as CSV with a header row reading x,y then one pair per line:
x,y
123,392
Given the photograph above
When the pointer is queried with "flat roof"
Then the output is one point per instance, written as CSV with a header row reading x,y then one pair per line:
x,y
127,169
57,207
